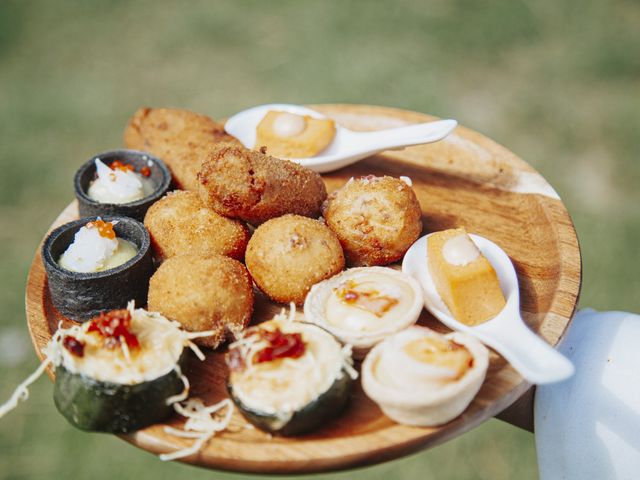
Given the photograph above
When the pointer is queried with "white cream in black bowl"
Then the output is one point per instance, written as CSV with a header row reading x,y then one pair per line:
x,y
120,182
100,272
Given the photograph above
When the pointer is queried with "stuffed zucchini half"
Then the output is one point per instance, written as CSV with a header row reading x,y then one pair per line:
x,y
289,377
121,371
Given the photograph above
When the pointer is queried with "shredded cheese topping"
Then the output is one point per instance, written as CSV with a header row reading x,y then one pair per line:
x,y
162,342
202,424
283,386
185,392
21,393
55,354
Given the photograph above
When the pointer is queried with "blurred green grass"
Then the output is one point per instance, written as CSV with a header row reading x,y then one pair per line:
x,y
555,82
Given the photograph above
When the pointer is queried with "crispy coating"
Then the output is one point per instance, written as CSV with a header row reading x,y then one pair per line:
x,y
255,187
180,223
203,293
288,255
180,138
376,219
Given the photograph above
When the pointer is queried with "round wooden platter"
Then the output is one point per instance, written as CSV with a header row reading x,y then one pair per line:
x,y
465,180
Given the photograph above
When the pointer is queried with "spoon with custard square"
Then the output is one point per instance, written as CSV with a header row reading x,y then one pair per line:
x,y
464,297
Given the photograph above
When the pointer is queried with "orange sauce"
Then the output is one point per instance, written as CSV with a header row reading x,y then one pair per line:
x,y
105,229
369,300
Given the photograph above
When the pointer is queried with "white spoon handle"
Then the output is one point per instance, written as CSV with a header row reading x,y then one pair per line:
x,y
409,135
531,356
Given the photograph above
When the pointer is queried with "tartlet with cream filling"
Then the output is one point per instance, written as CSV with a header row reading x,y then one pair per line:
x,y
362,306
422,378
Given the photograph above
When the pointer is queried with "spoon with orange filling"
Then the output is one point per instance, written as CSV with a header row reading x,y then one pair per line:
x,y
303,135
470,285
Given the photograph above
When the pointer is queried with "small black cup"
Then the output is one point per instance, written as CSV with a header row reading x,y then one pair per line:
x,y
159,175
81,296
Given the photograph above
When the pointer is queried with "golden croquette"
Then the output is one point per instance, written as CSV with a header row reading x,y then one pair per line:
x,y
255,187
179,223
287,255
376,219
180,138
203,293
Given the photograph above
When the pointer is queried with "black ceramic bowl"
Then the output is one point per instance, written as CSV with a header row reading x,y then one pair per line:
x,y
82,296
159,174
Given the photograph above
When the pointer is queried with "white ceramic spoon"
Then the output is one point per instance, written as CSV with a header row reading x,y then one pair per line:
x,y
506,333
347,146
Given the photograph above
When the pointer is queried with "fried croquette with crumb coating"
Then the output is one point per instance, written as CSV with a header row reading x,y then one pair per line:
x,y
255,187
376,219
203,293
180,138
185,165
180,223
287,255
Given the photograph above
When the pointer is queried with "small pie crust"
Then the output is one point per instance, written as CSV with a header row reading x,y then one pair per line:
x,y
424,405
315,306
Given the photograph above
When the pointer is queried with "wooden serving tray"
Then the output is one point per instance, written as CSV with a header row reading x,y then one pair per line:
x,y
464,180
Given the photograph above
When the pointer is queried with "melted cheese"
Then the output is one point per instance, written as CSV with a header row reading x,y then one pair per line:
x,y
418,358
441,353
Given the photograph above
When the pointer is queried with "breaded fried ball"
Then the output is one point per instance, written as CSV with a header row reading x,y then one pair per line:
x,y
180,138
376,219
179,223
255,187
203,293
288,255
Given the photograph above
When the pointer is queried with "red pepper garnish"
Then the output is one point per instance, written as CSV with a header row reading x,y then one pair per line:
x,y
114,326
75,346
117,164
281,345
145,171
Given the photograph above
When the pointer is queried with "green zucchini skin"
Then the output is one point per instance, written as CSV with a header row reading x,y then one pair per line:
x,y
321,410
97,406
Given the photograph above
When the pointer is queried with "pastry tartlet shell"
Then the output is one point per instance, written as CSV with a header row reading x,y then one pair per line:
x,y
439,407
362,343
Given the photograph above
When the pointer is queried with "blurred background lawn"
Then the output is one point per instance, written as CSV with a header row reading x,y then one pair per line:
x,y
558,83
